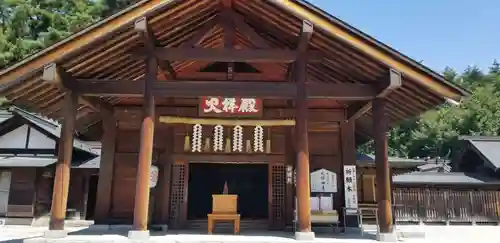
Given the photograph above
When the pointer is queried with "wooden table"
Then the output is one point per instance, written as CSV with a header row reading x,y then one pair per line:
x,y
213,218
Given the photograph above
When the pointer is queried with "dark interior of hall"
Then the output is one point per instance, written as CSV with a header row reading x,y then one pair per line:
x,y
248,181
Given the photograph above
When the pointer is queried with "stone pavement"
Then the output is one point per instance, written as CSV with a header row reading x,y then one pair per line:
x,y
411,234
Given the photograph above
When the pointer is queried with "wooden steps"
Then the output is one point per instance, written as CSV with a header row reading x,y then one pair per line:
x,y
368,212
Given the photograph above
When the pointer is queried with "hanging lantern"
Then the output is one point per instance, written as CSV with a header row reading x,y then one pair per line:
x,y
218,138
258,139
196,143
238,139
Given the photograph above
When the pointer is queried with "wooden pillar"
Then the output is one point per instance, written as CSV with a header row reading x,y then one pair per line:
x,y
290,161
383,174
63,164
303,184
141,205
105,182
348,144
162,189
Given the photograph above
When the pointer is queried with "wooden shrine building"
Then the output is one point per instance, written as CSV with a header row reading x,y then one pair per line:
x,y
236,92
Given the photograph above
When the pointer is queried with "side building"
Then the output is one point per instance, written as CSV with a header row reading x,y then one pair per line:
x,y
465,190
28,153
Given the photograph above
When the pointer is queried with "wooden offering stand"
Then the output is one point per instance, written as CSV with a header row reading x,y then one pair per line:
x,y
224,208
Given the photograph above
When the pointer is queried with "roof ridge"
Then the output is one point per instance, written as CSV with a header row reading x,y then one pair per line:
x,y
479,138
42,119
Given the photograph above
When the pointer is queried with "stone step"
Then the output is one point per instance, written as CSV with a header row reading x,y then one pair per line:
x,y
244,224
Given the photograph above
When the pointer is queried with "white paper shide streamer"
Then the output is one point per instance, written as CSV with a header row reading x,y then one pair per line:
x,y
218,138
258,139
196,143
238,139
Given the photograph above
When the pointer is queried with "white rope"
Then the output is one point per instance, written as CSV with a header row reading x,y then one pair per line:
x,y
196,143
218,138
258,139
238,139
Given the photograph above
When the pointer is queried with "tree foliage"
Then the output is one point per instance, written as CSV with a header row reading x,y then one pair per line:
x,y
27,26
436,132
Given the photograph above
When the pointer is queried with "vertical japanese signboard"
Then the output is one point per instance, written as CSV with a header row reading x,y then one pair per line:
x,y
230,106
350,189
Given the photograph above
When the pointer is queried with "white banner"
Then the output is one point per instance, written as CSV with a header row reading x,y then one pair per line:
x,y
153,176
350,188
323,181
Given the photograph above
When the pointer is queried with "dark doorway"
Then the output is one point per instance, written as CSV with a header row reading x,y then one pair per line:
x,y
91,197
248,181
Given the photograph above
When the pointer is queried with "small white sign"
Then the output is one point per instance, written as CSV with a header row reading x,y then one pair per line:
x,y
153,176
350,188
323,180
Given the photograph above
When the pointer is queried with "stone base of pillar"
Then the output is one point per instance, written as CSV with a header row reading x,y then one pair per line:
x,y
387,237
304,236
138,235
55,234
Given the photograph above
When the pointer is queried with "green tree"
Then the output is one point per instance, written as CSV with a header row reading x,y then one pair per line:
x,y
27,26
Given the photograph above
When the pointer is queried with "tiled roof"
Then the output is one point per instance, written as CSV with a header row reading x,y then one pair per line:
x,y
26,161
54,128
450,178
94,163
486,147
49,125
394,161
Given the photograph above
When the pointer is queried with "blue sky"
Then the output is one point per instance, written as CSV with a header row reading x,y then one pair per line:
x,y
454,33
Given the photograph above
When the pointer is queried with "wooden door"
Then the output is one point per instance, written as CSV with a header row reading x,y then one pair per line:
x,y
178,195
277,181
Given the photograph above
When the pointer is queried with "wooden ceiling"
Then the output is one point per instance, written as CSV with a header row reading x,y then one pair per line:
x,y
197,23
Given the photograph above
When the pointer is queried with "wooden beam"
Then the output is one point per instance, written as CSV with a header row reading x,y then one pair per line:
x,y
249,32
225,55
200,34
63,164
133,113
305,36
391,83
229,34
214,76
147,36
222,88
54,75
57,76
302,44
357,109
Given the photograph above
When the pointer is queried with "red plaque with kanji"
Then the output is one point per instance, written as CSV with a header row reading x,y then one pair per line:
x,y
230,106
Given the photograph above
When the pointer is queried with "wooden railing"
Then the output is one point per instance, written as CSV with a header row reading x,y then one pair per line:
x,y
446,205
